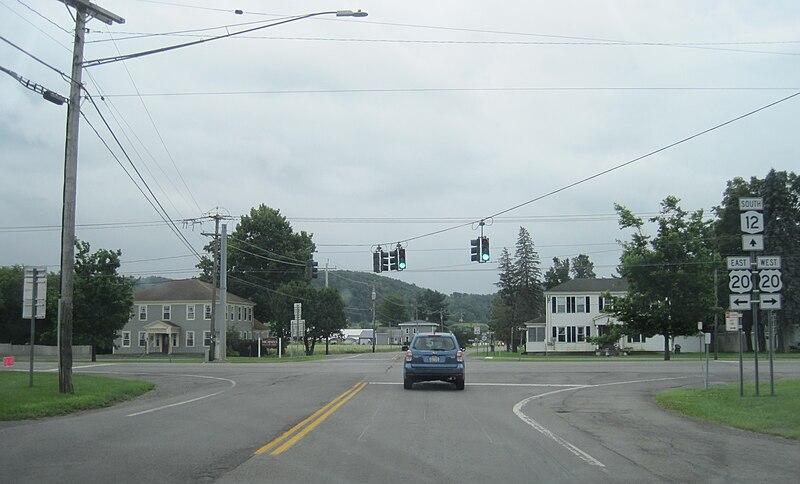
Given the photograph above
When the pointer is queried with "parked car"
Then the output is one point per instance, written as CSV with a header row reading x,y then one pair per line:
x,y
434,357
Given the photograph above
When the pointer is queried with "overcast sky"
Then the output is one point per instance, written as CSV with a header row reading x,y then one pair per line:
x,y
420,118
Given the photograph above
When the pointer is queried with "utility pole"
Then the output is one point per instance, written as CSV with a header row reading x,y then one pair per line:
x,y
223,294
83,9
214,278
374,335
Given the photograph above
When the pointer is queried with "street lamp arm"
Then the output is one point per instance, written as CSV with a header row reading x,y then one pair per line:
x,y
117,58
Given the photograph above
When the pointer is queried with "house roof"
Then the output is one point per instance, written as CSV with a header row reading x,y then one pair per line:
x,y
183,290
418,322
611,284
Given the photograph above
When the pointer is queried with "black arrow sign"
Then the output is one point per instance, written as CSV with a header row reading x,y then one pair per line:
x,y
741,301
753,243
769,301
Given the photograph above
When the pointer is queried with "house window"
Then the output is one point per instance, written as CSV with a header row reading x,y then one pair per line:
x,y
582,304
238,313
126,339
190,312
190,339
562,334
133,313
142,312
249,314
206,311
605,303
174,340
559,304
536,334
155,340
142,339
229,312
407,331
166,312
206,338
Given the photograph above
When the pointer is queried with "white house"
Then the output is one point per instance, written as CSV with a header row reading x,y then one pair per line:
x,y
410,328
574,312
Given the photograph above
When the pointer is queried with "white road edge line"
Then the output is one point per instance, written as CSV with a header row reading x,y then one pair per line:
x,y
547,433
578,452
545,385
233,384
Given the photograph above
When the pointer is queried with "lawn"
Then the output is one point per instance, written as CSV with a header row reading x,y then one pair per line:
x,y
774,415
18,401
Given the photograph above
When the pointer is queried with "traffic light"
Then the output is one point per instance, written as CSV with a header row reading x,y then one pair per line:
x,y
401,259
376,262
311,269
484,249
384,260
476,250
393,260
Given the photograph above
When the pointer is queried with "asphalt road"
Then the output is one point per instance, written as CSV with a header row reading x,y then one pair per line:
x,y
348,419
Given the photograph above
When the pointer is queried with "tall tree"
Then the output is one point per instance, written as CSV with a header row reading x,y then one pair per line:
x,y
15,330
529,299
327,317
263,253
103,298
282,303
558,274
781,193
502,314
392,310
670,275
582,267
432,306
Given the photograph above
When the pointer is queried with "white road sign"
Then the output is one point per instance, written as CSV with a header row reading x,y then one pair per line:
x,y
753,203
298,310
732,320
768,262
34,276
739,302
770,280
752,222
740,281
753,242
770,301
738,263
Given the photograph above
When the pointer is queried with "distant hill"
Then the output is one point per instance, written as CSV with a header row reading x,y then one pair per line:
x,y
356,290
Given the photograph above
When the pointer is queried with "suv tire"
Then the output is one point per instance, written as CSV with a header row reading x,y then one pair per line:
x,y
408,383
459,384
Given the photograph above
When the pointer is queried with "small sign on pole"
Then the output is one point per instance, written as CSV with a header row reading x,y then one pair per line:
x,y
732,319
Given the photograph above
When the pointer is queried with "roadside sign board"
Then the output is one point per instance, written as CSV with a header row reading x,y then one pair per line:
x,y
34,276
477,330
732,320
770,301
739,302
752,222
298,310
738,263
269,342
751,203
768,262
753,242
769,280
740,281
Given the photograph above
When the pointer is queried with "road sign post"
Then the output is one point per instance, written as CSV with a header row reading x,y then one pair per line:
x,y
34,298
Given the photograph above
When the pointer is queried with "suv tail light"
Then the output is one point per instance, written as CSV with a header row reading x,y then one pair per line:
x,y
460,356
408,355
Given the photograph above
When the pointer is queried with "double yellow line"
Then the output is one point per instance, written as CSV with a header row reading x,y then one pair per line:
x,y
293,435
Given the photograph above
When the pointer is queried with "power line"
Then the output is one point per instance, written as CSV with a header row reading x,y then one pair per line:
x,y
458,89
614,168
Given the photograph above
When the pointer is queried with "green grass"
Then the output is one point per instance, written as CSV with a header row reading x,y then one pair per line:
x,y
774,415
19,401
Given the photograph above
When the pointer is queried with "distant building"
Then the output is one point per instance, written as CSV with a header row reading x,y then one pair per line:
x,y
175,317
410,328
574,312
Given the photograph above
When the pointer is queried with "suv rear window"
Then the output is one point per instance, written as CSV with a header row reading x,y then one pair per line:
x,y
434,343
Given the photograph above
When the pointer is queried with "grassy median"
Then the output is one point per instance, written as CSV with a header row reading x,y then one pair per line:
x,y
18,401
774,415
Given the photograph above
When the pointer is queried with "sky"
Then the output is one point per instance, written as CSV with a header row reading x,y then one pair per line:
x,y
407,126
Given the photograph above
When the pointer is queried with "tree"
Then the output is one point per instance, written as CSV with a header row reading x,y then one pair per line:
x,y
670,275
432,306
263,252
502,313
327,317
392,310
582,267
103,298
13,329
282,308
558,274
781,193
529,298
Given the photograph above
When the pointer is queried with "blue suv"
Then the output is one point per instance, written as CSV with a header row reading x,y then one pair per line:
x,y
434,356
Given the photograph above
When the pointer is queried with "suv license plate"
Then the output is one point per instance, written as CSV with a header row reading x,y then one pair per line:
x,y
433,359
